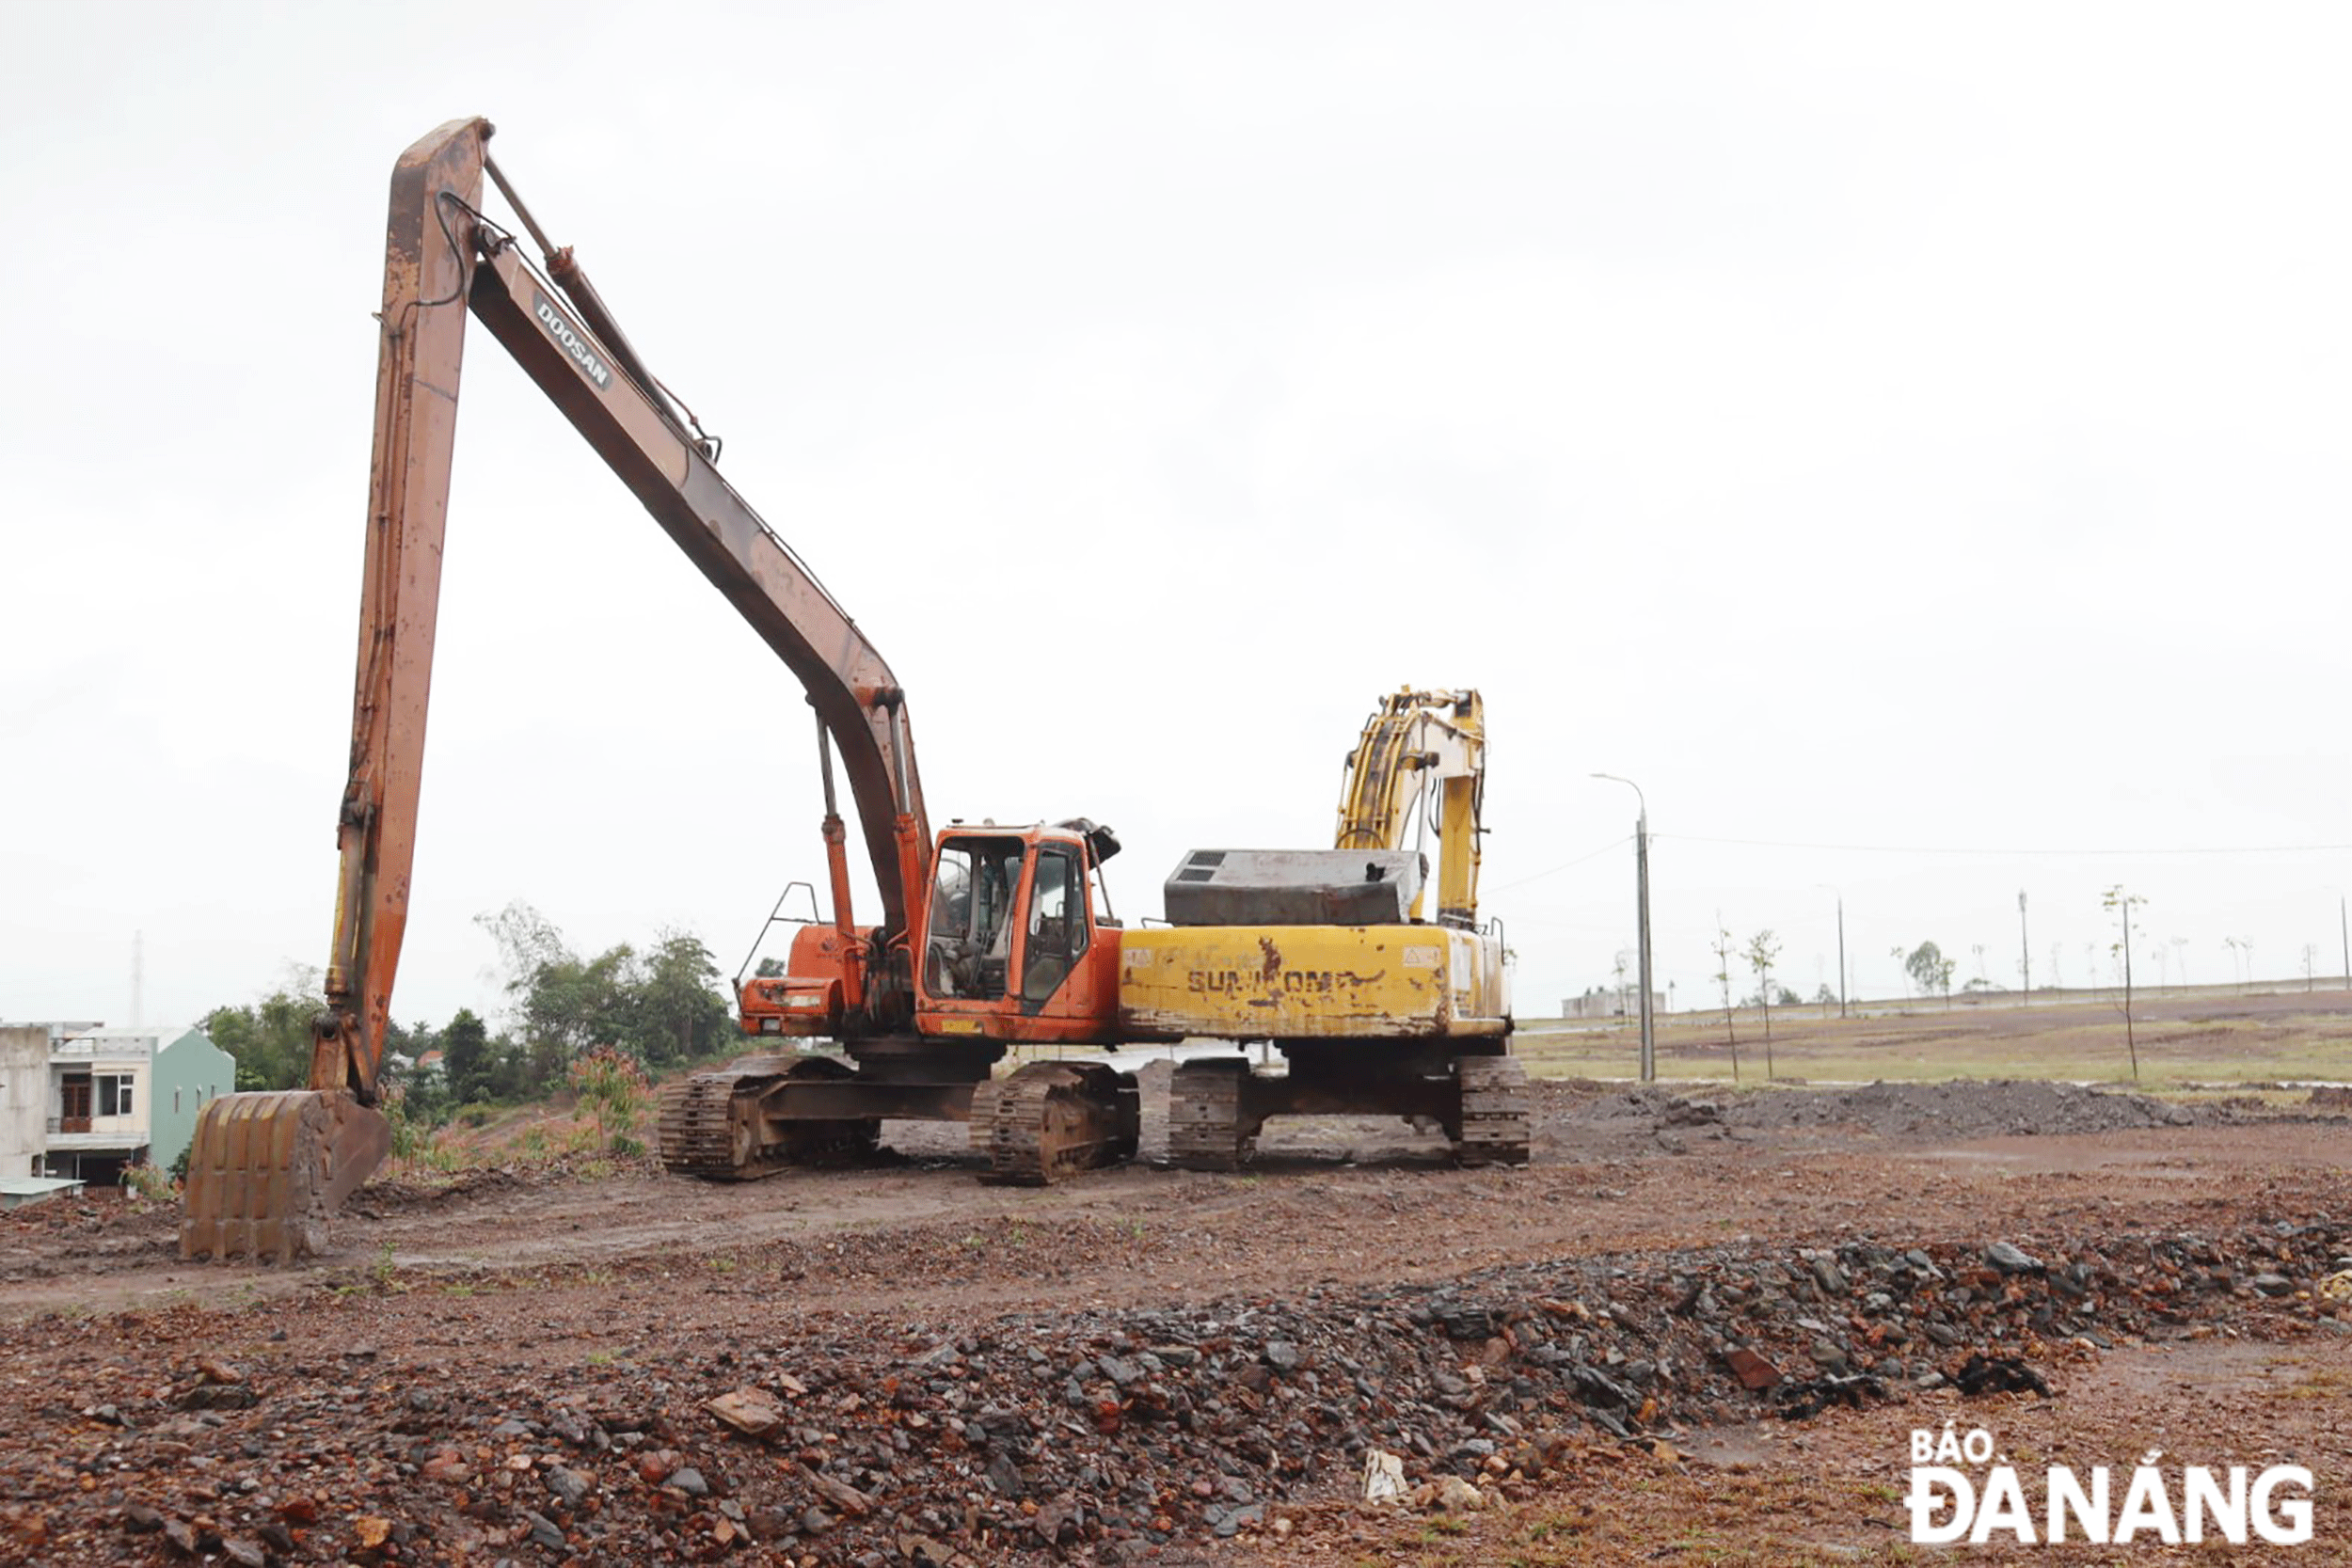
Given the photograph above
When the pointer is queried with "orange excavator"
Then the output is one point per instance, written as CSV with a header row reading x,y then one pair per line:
x,y
988,938
1007,926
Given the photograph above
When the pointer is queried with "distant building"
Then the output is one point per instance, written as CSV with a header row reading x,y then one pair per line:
x,y
117,1097
1610,1003
23,1098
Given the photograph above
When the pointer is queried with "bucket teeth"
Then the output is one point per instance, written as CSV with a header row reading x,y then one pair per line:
x,y
267,1171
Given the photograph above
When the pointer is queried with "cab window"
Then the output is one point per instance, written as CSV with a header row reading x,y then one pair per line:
x,y
966,951
1058,931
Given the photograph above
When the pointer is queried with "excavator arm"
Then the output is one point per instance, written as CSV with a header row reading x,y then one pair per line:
x,y
1413,739
266,1170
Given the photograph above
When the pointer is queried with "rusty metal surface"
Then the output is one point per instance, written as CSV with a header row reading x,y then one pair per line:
x,y
266,1171
1053,1119
728,1125
846,681
1207,1126
1496,1113
1218,1105
1293,887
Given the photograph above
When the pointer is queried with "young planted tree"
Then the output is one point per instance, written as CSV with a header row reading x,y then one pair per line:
x,y
1723,977
613,1089
1762,949
2121,904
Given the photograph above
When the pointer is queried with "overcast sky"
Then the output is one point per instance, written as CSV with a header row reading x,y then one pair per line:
x,y
1908,440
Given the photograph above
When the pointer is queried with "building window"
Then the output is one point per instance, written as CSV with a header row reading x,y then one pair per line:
x,y
114,1094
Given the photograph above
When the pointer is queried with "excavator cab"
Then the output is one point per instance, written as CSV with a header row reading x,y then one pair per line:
x,y
1011,945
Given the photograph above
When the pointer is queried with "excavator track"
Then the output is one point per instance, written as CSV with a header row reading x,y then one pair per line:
x,y
1204,1116
710,1123
1052,1120
1497,1112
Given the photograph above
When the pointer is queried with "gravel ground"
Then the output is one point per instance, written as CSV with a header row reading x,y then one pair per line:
x,y
1155,1366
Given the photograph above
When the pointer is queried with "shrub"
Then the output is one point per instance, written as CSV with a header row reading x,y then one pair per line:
x,y
613,1089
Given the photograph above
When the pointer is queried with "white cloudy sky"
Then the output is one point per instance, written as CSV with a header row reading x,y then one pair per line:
x,y
1908,440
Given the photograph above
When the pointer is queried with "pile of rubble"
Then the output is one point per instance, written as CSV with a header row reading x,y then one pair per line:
x,y
1088,1435
1958,1109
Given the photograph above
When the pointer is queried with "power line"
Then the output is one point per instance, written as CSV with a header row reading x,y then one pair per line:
x,y
1566,865
1947,849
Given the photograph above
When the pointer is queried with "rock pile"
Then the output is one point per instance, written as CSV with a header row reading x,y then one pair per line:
x,y
1088,1434
1946,1110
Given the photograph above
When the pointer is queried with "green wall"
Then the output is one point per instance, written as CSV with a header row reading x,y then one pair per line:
x,y
189,1071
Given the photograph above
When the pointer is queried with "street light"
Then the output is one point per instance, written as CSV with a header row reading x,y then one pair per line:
x,y
1641,895
1843,983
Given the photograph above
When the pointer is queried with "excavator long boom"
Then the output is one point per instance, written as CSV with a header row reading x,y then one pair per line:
x,y
267,1169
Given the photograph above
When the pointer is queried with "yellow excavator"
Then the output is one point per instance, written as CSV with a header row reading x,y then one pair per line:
x,y
1326,955
989,937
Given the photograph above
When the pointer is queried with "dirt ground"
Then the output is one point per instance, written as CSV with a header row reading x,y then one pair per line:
x,y
1152,1366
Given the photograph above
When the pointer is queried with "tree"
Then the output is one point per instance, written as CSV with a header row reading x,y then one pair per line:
x,y
677,1014
1930,970
2121,904
1762,949
467,1061
662,1005
1723,977
271,1038
1901,959
561,1003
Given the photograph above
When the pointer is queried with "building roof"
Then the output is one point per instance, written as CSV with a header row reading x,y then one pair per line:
x,y
98,1041
37,1186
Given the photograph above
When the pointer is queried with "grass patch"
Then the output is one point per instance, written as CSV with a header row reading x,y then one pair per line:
x,y
2188,1045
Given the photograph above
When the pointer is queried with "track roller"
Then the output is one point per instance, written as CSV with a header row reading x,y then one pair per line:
x,y
1207,1126
1495,1112
711,1125
1051,1120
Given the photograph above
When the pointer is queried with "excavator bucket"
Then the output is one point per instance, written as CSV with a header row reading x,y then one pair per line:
x,y
267,1170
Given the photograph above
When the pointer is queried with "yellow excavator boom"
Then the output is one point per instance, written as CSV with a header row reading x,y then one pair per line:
x,y
1414,740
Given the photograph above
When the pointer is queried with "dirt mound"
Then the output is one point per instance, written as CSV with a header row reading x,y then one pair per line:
x,y
1955,1110
2003,1107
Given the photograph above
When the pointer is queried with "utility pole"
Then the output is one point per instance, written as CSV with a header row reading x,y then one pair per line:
x,y
1842,986
2025,947
1640,913
1844,979
2345,929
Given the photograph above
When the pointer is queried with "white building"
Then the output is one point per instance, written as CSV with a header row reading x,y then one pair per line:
x,y
117,1097
23,1098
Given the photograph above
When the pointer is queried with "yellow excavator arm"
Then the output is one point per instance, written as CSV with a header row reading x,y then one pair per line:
x,y
1413,741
